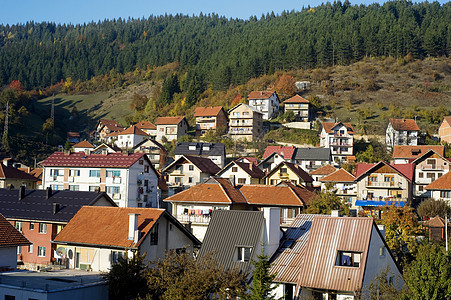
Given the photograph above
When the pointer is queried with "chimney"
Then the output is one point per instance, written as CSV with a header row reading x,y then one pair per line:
x,y
132,225
272,230
48,192
56,208
21,192
335,213
66,152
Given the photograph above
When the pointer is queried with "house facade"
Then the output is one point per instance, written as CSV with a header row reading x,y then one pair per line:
x,y
130,137
96,243
299,106
129,179
441,188
155,152
12,240
406,154
210,118
148,128
14,178
40,215
339,137
265,102
444,131
311,159
242,173
105,127
320,173
428,167
172,128
343,183
213,151
401,132
245,122
286,171
83,146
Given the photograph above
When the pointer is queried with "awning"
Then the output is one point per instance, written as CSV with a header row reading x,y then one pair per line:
x,y
379,203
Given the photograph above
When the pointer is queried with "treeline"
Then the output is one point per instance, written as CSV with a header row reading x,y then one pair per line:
x,y
220,51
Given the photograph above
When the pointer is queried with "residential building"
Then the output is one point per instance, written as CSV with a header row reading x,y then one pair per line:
x,y
299,106
214,151
311,159
194,206
248,160
106,149
13,177
444,131
148,128
242,173
441,188
83,146
96,237
286,171
189,170
343,183
155,152
40,214
11,239
129,138
320,173
339,137
383,184
105,127
171,128
210,118
401,132
129,179
266,102
428,167
406,154
37,173
245,123
237,237
323,257
274,155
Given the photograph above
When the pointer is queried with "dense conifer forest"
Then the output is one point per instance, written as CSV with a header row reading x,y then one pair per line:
x,y
219,51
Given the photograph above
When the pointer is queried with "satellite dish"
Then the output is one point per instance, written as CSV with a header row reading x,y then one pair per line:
x,y
61,251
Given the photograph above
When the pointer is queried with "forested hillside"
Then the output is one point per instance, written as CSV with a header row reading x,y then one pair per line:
x,y
219,51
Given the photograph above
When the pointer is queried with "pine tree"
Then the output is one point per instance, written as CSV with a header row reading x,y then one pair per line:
x,y
262,281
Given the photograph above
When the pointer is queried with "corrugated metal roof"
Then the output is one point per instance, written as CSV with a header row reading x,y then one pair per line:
x,y
229,229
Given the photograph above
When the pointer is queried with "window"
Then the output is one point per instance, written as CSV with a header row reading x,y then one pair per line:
x,y
154,235
246,113
113,190
93,188
74,172
146,169
348,259
241,180
10,297
420,188
283,170
19,250
141,162
56,172
94,173
244,253
389,178
431,176
41,251
74,187
191,168
113,173
31,225
30,248
42,228
372,178
190,179
420,175
234,169
445,194
115,255
171,227
57,187
19,226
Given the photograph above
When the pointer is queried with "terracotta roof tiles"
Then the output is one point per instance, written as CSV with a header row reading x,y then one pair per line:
x,y
296,99
83,144
324,170
404,151
288,152
145,125
260,94
169,120
328,127
340,175
207,111
442,183
404,124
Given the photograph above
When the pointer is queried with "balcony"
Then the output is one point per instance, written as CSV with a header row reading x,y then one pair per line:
x,y
340,144
195,219
177,173
383,184
284,175
432,167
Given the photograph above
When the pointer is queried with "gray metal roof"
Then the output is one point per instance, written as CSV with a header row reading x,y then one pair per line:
x,y
215,149
321,154
229,229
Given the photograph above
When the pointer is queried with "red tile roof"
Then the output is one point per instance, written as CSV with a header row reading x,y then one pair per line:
x,y
296,99
253,160
402,151
442,183
111,125
107,226
260,94
80,159
404,124
145,125
324,170
83,144
328,127
447,119
436,222
361,168
287,152
169,120
406,170
340,175
271,195
133,130
207,111
14,173
10,236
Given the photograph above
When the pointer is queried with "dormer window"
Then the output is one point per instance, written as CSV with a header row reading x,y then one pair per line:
x,y
243,253
348,259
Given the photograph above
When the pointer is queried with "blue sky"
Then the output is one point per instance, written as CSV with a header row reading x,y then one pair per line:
x,y
81,11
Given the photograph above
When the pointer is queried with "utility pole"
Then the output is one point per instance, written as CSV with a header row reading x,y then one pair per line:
x,y
446,232
5,129
52,110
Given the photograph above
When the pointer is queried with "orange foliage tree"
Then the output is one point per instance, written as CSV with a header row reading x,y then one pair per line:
x,y
285,86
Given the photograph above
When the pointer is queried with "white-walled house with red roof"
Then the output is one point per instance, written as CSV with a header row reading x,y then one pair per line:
x,y
129,179
339,137
266,102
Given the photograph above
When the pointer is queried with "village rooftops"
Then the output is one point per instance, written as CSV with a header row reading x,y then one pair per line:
x,y
412,152
329,127
202,163
404,125
210,111
340,175
111,125
133,130
145,125
296,99
324,170
10,236
405,170
288,152
80,159
83,144
193,148
14,173
260,94
442,183
169,120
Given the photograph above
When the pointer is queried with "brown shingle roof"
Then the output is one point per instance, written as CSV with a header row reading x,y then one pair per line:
x,y
145,125
111,125
436,222
447,119
13,173
107,226
80,159
298,171
324,170
404,124
207,111
442,183
169,120
133,130
206,165
10,236
260,94
340,175
329,126
251,169
403,151
83,144
296,99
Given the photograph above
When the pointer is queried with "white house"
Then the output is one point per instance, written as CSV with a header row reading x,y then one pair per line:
x,y
242,173
83,146
266,102
97,236
129,179
130,137
339,137
401,132
441,188
148,128
343,183
172,128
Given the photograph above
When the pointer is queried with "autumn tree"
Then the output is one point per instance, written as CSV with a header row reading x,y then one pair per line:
x,y
285,86
138,102
431,208
327,201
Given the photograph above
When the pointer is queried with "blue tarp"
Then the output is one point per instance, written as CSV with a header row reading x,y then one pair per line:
x,y
379,203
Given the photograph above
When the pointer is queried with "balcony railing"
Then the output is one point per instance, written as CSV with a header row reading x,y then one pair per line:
x,y
177,172
283,175
340,144
198,219
432,167
383,184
